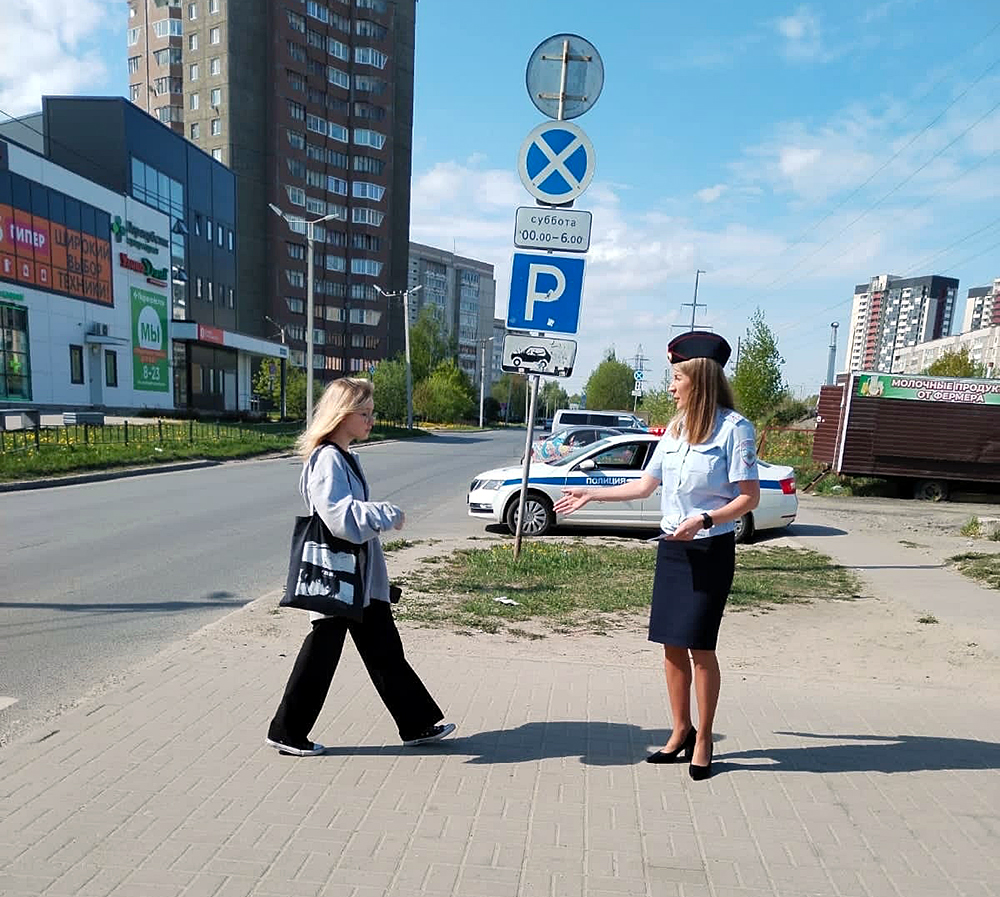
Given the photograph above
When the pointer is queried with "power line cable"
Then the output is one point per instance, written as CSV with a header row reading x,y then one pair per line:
x,y
895,155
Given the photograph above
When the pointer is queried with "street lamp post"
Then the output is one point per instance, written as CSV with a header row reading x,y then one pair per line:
x,y
292,220
482,377
406,333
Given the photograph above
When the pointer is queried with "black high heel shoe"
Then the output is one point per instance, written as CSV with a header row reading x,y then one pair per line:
x,y
686,748
700,773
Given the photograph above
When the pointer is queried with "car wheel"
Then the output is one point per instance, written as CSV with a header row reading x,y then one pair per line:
x,y
930,490
516,361
539,517
542,364
744,529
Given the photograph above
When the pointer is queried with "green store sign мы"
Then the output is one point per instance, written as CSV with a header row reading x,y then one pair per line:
x,y
150,369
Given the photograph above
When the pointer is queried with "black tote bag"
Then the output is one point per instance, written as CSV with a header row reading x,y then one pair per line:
x,y
324,572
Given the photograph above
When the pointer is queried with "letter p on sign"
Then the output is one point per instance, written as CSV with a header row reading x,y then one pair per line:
x,y
546,283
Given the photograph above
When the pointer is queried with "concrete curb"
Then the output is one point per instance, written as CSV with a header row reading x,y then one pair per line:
x,y
96,476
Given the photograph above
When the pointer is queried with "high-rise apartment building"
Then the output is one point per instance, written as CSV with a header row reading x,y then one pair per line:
x,y
890,313
982,307
311,106
463,293
155,63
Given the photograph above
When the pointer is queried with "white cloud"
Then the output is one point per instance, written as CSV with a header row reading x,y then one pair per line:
x,y
711,194
49,48
802,34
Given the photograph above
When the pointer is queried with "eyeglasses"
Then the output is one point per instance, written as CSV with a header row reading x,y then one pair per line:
x,y
372,417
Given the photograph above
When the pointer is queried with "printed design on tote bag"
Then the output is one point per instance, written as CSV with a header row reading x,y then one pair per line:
x,y
326,572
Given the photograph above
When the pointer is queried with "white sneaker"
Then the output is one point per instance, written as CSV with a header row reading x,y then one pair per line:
x,y
434,733
299,749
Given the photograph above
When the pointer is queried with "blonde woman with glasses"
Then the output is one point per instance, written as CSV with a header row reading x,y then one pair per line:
x,y
334,485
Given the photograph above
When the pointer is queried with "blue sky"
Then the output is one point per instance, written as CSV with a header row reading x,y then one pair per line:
x,y
789,150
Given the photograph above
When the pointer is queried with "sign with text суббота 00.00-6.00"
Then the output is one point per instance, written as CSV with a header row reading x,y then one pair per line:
x,y
564,230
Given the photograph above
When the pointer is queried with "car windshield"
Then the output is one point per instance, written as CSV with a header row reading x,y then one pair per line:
x,y
573,456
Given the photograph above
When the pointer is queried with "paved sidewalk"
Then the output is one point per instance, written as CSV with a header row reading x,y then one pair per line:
x,y
834,777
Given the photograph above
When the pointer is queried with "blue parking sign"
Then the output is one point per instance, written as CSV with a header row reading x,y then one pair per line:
x,y
545,293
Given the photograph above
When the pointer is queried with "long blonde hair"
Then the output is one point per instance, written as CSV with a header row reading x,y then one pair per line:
x,y
341,398
710,390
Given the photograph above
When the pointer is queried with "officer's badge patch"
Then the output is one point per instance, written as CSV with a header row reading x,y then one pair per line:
x,y
748,453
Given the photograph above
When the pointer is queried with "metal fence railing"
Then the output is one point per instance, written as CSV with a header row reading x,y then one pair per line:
x,y
157,433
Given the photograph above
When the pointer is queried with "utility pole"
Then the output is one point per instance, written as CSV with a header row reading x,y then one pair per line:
x,y
482,377
294,221
284,398
694,303
406,333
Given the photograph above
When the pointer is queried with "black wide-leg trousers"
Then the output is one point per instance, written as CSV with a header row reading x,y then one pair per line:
x,y
381,650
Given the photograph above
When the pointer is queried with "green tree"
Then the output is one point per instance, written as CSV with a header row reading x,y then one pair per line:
x,y
658,406
390,390
610,385
551,397
956,364
509,391
758,381
491,410
267,385
445,396
429,343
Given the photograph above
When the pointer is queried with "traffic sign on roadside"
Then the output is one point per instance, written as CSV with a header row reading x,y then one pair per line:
x,y
545,292
564,230
565,75
639,377
556,162
538,355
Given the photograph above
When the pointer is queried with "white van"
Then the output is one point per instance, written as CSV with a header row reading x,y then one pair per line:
x,y
621,420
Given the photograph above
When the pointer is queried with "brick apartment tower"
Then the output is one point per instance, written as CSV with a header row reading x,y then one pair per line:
x,y
155,60
892,313
311,105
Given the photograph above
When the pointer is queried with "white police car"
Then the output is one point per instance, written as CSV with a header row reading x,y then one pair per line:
x,y
493,495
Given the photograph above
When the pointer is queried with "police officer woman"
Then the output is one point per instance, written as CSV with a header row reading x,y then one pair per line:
x,y
707,464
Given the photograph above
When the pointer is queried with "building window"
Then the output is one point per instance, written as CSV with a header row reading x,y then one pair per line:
x,y
193,71
295,306
197,287
317,10
315,124
296,22
368,164
315,39
376,5
134,91
216,96
215,35
168,28
370,56
296,195
335,262
169,56
296,51
232,299
337,77
365,190
197,225
213,6
195,130
193,101
368,84
193,41
296,110
367,242
217,154
369,267
170,113
336,185
296,167
133,64
362,215
337,49
168,85
192,11
367,137
316,206
364,28
220,234
295,80
215,66
211,293
133,36
76,364
313,178
337,132
296,251
208,230
295,278
216,127
110,368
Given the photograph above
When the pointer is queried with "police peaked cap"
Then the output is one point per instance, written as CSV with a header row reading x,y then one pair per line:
x,y
698,344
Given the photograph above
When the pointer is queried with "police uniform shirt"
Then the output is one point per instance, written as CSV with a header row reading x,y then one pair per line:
x,y
698,479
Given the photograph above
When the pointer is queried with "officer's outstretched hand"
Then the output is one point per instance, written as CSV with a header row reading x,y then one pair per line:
x,y
572,500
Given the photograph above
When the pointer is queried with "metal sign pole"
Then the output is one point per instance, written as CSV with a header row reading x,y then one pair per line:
x,y
527,466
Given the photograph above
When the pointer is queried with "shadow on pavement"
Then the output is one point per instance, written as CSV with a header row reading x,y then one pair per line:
x,y
212,599
594,743
813,529
867,753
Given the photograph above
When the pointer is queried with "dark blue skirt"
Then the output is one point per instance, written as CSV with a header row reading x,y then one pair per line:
x,y
690,588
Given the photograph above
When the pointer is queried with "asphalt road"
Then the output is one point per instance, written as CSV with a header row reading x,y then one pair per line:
x,y
96,577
